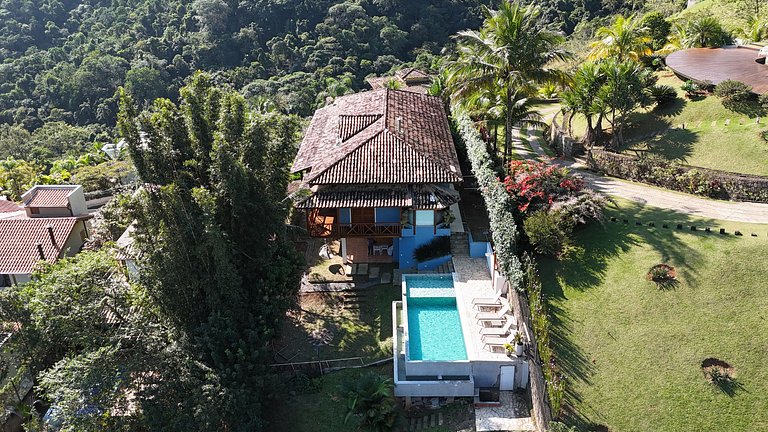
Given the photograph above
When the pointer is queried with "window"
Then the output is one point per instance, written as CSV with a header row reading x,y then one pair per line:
x,y
425,217
5,280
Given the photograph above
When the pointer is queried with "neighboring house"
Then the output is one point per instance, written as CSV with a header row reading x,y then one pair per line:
x,y
51,223
380,167
408,79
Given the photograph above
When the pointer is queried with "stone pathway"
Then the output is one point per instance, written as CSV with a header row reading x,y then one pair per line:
x,y
512,415
425,422
680,202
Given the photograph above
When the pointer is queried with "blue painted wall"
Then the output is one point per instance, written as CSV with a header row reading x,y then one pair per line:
x,y
421,236
477,249
433,263
387,214
345,215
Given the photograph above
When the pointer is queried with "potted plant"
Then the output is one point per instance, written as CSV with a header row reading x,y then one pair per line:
x,y
405,218
448,217
509,349
519,346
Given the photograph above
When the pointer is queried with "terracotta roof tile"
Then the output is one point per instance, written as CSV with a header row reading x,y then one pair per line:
x,y
417,196
407,140
9,206
19,238
45,197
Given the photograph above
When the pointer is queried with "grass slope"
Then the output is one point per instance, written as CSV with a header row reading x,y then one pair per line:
x,y
736,147
632,352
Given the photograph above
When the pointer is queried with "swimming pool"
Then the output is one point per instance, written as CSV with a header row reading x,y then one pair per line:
x,y
434,327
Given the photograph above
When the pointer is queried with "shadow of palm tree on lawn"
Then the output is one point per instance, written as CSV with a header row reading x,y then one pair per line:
x,y
586,269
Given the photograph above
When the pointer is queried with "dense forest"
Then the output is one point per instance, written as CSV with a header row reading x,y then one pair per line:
x,y
63,60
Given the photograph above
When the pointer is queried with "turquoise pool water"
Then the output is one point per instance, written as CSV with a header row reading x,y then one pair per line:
x,y
434,328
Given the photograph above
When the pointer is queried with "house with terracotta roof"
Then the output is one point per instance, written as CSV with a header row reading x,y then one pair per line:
x,y
50,223
407,79
380,167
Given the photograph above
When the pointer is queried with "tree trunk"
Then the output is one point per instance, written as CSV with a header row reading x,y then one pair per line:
x,y
599,129
508,124
614,145
495,139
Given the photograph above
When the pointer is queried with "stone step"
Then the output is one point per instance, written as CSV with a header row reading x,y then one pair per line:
x,y
373,272
386,278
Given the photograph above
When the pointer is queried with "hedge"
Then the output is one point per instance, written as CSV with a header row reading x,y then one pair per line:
x,y
498,202
684,178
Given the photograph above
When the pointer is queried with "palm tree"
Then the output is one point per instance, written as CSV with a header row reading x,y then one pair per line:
x,y
506,58
706,31
755,29
581,98
370,397
625,39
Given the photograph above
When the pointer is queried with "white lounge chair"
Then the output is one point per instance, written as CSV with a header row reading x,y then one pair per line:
x,y
500,331
498,342
498,315
487,302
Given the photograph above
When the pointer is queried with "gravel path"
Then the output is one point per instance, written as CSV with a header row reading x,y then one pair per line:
x,y
684,203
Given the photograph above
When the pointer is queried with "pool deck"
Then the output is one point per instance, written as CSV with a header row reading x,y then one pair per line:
x,y
473,280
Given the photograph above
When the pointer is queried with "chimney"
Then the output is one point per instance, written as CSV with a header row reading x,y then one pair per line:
x,y
40,251
50,234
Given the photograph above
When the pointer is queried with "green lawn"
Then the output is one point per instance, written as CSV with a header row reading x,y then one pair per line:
x,y
632,352
736,147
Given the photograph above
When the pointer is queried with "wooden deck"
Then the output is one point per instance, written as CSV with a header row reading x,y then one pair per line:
x,y
720,64
357,251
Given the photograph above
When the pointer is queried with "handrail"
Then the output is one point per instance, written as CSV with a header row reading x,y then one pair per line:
x,y
393,229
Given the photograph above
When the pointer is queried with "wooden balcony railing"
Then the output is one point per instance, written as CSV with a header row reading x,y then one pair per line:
x,y
355,230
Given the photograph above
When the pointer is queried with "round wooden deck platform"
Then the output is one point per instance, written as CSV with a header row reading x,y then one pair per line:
x,y
720,64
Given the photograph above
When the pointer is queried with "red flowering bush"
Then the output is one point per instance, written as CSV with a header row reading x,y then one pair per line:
x,y
537,185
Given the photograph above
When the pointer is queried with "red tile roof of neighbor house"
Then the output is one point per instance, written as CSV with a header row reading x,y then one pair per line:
x,y
380,136
45,197
9,206
19,238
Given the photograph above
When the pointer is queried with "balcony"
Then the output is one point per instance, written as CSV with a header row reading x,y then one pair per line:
x,y
325,229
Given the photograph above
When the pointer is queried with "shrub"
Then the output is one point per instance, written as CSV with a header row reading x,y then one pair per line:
x,y
536,185
561,427
690,88
369,397
764,135
662,94
438,247
699,183
583,208
548,231
661,273
733,92
763,100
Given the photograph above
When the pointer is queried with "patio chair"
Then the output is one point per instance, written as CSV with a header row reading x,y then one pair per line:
x,y
498,315
500,331
487,302
498,342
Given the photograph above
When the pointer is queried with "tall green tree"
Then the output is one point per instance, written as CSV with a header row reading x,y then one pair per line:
x,y
211,230
622,92
626,38
581,98
508,56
